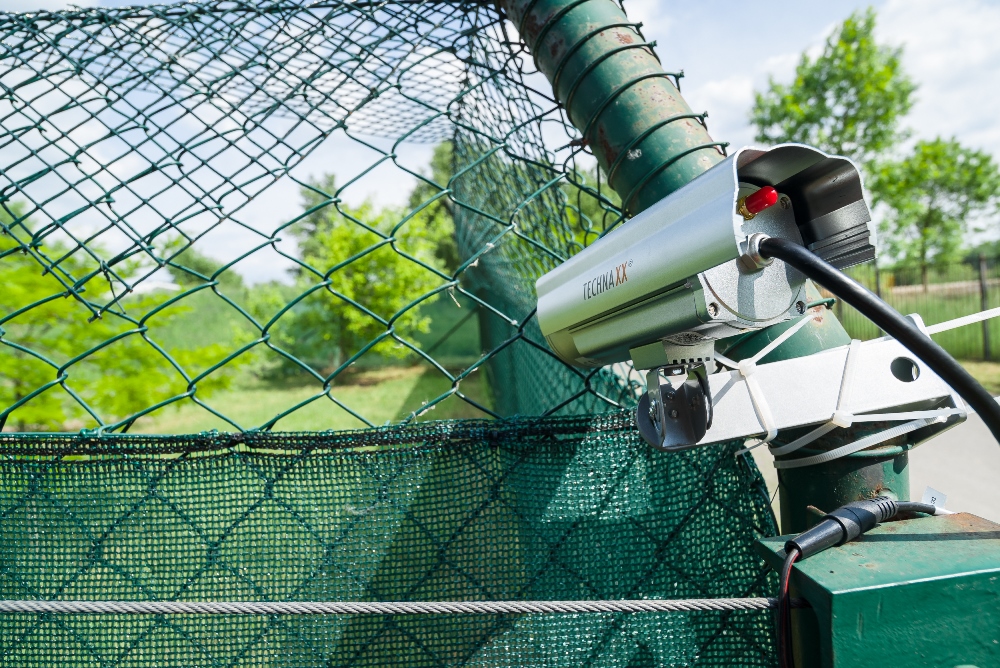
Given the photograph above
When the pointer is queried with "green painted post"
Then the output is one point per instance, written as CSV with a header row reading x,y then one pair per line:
x,y
646,138
649,143
914,593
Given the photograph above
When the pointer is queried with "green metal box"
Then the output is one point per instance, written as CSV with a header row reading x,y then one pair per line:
x,y
921,592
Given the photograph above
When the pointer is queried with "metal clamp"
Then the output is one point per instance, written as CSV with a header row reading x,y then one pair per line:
x,y
674,417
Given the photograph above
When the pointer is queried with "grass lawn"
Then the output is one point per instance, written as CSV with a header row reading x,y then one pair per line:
x,y
388,394
987,373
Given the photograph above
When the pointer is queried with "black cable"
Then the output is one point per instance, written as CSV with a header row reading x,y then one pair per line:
x,y
894,324
786,657
915,507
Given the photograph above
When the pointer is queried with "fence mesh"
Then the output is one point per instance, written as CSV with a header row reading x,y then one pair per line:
x,y
140,154
571,508
938,295
191,244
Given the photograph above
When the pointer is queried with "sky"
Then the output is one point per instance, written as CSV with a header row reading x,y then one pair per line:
x,y
729,49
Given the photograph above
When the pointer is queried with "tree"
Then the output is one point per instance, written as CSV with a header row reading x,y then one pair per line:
x,y
848,101
931,195
116,381
381,277
189,266
438,213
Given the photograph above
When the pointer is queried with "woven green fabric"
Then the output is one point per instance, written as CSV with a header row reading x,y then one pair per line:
x,y
568,508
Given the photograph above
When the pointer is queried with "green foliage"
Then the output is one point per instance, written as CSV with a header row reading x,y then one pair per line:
x,y
592,207
849,100
119,377
364,264
189,268
931,195
988,249
436,210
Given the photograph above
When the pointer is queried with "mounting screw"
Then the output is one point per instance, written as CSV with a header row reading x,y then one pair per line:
x,y
784,202
713,309
800,307
673,413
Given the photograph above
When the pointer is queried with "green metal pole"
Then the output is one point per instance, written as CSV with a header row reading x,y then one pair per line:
x,y
650,143
646,138
806,494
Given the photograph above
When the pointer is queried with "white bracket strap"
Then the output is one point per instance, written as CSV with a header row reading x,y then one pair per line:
x,y
837,387
748,367
840,417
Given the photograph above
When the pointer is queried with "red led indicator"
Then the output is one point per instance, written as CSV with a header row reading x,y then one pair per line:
x,y
762,199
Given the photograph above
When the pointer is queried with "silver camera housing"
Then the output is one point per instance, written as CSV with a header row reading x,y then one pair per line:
x,y
664,286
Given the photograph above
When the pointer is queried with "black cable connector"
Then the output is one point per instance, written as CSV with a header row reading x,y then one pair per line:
x,y
841,526
894,324
850,521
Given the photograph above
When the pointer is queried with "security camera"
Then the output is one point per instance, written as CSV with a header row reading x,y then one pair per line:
x,y
663,287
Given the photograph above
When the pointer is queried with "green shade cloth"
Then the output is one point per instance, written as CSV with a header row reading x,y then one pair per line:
x,y
571,508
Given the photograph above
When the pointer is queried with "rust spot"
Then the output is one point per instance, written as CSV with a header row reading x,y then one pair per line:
x,y
624,37
534,24
968,522
605,146
557,46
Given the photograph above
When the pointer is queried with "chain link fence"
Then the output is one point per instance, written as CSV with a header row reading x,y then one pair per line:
x,y
269,223
140,153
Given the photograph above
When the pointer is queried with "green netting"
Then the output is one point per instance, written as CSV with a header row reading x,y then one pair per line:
x,y
570,508
176,258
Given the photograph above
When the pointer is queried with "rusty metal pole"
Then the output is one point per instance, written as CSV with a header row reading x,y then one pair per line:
x,y
649,143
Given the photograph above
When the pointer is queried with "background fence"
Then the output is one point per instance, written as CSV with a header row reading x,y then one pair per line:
x,y
950,292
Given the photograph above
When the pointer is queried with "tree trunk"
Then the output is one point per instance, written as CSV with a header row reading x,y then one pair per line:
x,y
923,275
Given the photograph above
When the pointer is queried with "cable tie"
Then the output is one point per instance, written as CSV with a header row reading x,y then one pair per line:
x,y
760,406
856,446
842,419
747,369
785,335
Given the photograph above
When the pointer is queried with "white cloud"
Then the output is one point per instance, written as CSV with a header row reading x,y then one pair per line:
x,y
951,50
727,101
653,15
723,72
